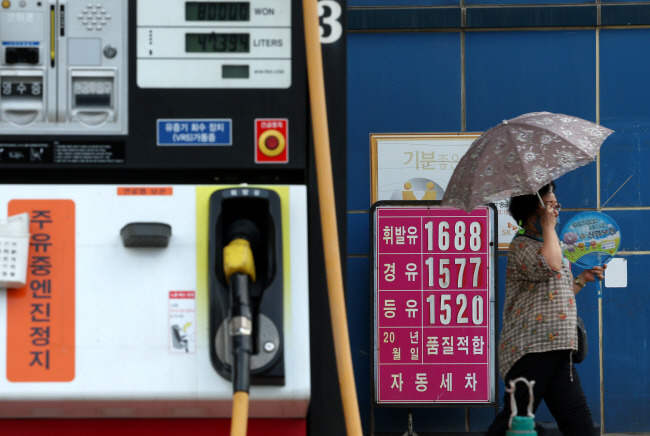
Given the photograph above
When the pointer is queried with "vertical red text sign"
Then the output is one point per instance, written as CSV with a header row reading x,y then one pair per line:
x,y
432,305
41,314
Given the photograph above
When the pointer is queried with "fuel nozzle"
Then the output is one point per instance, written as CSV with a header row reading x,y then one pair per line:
x,y
246,290
239,271
242,235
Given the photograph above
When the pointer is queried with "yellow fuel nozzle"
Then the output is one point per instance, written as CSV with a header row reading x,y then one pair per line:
x,y
238,258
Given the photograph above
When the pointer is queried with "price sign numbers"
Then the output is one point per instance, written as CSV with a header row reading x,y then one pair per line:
x,y
464,308
446,235
459,272
455,309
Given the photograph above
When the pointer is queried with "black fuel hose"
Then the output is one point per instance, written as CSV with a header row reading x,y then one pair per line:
x,y
241,327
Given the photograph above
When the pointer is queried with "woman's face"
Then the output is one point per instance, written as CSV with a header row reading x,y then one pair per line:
x,y
550,201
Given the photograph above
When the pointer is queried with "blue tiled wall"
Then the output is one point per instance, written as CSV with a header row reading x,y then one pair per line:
x,y
392,3
625,322
381,78
510,73
527,2
625,93
403,3
412,83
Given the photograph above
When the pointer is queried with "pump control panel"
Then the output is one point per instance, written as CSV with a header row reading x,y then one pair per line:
x,y
238,44
63,67
116,86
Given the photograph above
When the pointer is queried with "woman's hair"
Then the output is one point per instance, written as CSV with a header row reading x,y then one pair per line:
x,y
523,206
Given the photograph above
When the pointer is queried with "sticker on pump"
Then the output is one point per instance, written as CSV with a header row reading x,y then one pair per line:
x,y
41,314
182,322
213,132
271,140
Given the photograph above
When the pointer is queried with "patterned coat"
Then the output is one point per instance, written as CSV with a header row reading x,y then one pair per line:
x,y
540,310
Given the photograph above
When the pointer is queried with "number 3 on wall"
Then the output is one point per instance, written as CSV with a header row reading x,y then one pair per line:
x,y
329,12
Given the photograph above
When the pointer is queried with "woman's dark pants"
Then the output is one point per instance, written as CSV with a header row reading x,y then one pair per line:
x,y
564,398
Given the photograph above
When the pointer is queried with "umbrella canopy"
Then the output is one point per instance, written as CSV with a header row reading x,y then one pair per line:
x,y
521,155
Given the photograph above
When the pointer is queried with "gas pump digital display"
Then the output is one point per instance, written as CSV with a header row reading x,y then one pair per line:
x,y
217,42
221,11
196,39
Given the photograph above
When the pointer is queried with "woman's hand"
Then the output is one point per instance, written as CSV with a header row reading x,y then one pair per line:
x,y
590,275
551,247
547,219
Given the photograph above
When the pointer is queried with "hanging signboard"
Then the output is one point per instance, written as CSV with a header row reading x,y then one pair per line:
x,y
418,166
434,277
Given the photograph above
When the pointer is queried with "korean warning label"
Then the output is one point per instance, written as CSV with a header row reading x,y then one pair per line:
x,y
41,314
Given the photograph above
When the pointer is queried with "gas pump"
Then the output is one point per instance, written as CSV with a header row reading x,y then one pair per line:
x,y
142,139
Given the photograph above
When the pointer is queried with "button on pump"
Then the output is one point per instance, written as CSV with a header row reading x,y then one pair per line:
x,y
146,234
272,140
271,143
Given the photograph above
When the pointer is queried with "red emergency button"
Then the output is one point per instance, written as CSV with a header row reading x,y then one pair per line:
x,y
271,143
271,140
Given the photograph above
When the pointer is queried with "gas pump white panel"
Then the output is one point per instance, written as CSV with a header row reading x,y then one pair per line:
x,y
63,67
214,44
105,329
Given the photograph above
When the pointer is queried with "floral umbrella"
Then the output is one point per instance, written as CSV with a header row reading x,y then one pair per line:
x,y
521,155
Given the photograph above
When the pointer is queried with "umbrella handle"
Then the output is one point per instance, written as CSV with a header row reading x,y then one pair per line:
x,y
541,202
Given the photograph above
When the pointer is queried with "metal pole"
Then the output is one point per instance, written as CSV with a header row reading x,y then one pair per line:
x,y
600,356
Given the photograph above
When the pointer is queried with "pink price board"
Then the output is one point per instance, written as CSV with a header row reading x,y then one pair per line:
x,y
434,296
